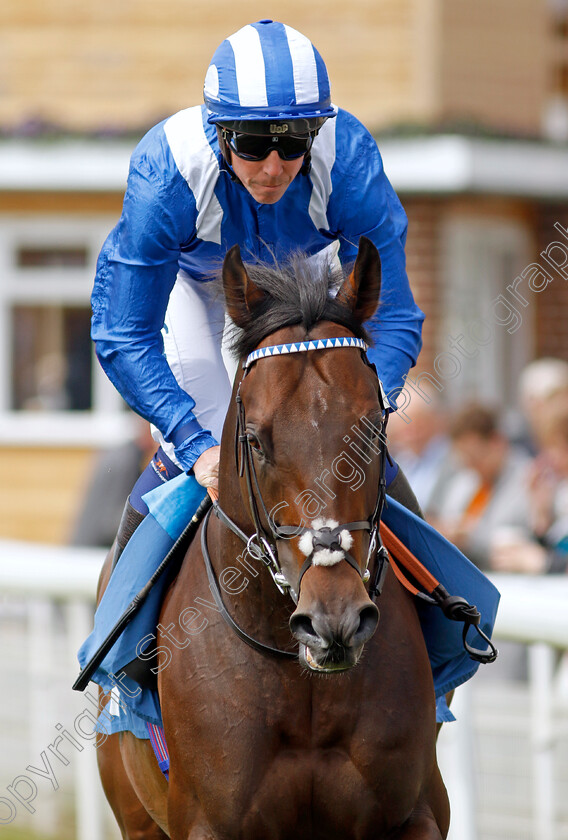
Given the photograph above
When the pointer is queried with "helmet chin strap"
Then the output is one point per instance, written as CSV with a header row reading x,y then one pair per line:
x,y
226,152
307,164
231,171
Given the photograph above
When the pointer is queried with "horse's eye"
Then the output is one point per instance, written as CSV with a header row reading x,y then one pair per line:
x,y
254,442
374,426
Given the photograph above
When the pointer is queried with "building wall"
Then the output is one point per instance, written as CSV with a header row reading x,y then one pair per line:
x,y
41,490
423,266
96,66
552,301
494,63
129,63
106,204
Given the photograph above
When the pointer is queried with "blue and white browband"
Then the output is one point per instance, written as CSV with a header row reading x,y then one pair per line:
x,y
302,347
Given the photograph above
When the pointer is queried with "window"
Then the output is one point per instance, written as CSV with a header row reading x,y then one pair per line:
x,y
482,257
50,257
51,358
51,385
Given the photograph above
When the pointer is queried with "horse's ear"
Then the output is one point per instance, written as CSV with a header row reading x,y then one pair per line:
x,y
241,294
361,290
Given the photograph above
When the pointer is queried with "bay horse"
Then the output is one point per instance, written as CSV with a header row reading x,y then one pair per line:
x,y
335,738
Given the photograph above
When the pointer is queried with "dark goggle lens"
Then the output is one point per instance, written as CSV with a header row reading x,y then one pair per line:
x,y
257,147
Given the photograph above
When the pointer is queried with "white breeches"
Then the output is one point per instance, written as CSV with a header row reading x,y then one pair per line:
x,y
193,344
193,339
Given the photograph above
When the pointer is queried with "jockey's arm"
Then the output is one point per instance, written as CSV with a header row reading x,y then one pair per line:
x,y
369,206
136,271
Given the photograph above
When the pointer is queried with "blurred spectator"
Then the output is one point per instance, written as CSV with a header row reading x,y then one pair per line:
x,y
539,383
421,446
546,549
115,473
486,502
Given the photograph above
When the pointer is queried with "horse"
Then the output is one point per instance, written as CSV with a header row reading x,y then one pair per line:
x,y
323,724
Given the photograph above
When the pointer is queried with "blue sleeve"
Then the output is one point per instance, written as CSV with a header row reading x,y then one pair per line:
x,y
136,271
365,204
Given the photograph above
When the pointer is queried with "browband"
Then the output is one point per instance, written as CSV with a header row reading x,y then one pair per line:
x,y
303,346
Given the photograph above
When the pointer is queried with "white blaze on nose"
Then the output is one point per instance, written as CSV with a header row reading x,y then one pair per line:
x,y
325,556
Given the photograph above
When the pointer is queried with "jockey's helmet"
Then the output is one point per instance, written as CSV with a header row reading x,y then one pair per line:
x,y
267,81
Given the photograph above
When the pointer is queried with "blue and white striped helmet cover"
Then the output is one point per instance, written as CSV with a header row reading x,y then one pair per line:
x,y
265,71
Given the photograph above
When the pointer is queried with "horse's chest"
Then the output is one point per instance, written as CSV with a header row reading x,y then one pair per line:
x,y
324,793
317,776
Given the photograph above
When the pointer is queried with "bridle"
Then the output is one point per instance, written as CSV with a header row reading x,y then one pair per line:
x,y
262,544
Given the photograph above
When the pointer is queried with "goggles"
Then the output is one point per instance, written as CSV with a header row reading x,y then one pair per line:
x,y
259,146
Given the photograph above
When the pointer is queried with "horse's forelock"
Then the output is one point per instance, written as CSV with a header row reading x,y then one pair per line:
x,y
297,292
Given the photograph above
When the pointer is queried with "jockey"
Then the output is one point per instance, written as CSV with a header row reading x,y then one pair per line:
x,y
271,164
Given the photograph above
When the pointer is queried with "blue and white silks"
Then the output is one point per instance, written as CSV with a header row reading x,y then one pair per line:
x,y
181,214
171,507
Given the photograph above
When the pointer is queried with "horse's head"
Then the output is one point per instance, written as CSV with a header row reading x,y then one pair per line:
x,y
310,427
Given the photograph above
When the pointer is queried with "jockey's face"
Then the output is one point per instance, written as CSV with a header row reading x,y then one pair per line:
x,y
266,180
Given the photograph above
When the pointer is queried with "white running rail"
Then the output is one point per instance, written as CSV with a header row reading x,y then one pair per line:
x,y
46,607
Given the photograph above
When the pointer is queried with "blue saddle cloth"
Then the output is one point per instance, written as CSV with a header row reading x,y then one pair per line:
x,y
171,506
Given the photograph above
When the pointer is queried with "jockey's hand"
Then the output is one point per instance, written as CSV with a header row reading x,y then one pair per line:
x,y
206,468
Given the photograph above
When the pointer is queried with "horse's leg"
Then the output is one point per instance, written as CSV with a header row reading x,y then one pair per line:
x,y
147,780
134,821
430,820
186,819
423,828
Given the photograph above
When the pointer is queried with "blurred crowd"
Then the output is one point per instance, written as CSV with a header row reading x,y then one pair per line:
x,y
501,498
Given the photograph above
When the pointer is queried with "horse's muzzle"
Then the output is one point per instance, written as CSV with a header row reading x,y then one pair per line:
x,y
329,644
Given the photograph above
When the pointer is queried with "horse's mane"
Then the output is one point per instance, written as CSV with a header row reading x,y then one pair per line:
x,y
297,292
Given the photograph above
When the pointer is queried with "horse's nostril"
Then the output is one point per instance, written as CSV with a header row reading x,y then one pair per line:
x,y
303,629
368,620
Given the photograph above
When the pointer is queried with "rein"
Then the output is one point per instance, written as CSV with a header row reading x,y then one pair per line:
x,y
454,607
215,591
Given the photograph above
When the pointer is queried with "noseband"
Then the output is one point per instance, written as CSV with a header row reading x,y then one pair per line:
x,y
330,537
